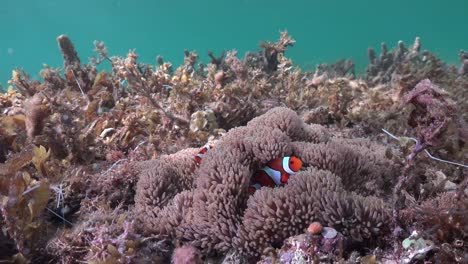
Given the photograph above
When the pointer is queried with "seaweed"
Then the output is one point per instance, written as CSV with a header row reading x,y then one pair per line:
x,y
23,197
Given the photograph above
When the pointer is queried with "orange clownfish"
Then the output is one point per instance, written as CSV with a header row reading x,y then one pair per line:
x,y
275,173
202,152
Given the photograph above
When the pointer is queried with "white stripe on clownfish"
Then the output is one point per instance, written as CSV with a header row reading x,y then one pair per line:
x,y
286,167
203,151
273,174
207,147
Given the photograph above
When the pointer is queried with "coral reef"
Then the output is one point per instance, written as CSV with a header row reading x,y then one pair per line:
x,y
98,166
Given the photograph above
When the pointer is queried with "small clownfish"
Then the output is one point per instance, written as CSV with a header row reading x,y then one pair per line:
x,y
275,173
202,152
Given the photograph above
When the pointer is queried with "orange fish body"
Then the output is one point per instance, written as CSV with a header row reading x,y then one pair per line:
x,y
202,152
276,173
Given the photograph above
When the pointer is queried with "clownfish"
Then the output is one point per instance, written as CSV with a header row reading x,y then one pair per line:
x,y
275,173
202,152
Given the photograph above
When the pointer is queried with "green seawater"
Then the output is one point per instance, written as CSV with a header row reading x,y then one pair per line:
x,y
325,30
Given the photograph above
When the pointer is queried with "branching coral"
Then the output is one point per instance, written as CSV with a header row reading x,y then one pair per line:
x,y
463,56
76,75
407,66
381,68
341,68
272,50
217,213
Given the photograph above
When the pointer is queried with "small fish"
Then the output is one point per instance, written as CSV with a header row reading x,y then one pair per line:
x,y
202,152
275,173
